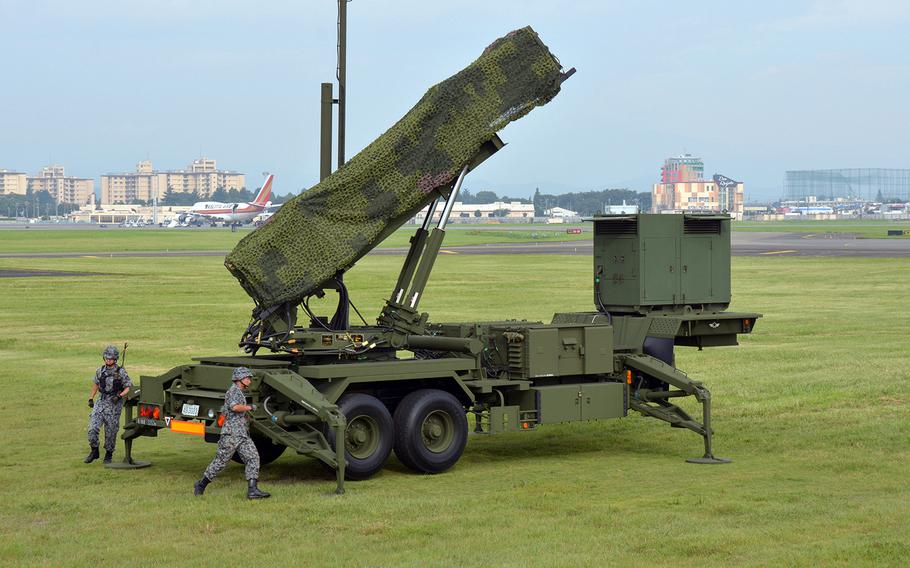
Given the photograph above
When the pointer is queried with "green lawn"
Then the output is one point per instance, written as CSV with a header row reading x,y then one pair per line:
x,y
814,408
867,229
130,240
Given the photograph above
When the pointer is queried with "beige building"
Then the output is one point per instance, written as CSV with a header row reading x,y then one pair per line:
x,y
703,195
119,213
499,209
203,177
145,184
13,183
63,189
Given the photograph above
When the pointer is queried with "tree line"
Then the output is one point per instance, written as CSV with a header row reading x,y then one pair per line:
x,y
33,204
587,203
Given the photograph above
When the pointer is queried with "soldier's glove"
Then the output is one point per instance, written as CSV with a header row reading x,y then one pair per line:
x,y
91,403
253,408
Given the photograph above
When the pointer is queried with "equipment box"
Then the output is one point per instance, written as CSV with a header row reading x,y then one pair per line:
x,y
661,260
588,401
560,350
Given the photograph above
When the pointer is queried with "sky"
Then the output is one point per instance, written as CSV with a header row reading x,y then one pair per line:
x,y
753,88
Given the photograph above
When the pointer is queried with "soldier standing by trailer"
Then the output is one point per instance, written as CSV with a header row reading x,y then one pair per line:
x,y
235,438
114,383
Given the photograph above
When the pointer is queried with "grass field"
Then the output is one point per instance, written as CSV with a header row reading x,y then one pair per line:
x,y
814,408
123,240
866,229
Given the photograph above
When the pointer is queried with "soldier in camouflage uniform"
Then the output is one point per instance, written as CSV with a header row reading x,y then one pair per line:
x,y
114,384
235,438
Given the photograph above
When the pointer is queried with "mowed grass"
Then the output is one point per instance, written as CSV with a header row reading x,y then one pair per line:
x,y
864,228
814,408
116,240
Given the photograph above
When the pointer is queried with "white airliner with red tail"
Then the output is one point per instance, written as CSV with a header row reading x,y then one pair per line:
x,y
232,212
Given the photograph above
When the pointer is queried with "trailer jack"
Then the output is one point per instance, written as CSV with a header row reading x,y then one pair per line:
x,y
654,403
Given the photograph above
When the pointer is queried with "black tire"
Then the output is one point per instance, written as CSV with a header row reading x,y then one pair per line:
x,y
431,431
368,437
268,450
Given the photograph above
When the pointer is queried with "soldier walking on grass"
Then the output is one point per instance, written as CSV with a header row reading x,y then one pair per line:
x,y
114,384
235,438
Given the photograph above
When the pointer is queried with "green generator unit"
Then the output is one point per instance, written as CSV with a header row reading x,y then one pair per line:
x,y
652,262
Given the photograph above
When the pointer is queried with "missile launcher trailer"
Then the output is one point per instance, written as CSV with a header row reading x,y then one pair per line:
x,y
350,395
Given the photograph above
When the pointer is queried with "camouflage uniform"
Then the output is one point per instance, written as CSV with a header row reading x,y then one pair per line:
x,y
111,381
235,437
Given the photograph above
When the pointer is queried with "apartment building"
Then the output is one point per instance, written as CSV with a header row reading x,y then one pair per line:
x,y
202,176
144,184
13,183
63,188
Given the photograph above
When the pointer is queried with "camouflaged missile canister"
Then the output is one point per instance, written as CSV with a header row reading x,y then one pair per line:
x,y
333,224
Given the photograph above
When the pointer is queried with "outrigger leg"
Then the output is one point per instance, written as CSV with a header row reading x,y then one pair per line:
x,y
654,403
130,432
128,461
339,456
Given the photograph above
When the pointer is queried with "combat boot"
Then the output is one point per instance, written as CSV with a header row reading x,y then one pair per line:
x,y
92,455
199,486
253,492
108,456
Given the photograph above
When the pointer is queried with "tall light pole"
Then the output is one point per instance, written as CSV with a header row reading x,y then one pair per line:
x,y
326,101
340,73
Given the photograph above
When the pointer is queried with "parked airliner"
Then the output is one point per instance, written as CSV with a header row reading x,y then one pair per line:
x,y
232,212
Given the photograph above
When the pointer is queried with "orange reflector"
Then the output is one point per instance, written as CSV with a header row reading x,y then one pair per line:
x,y
181,427
628,377
220,420
524,425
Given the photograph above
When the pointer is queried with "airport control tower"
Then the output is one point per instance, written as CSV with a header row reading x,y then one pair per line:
x,y
682,168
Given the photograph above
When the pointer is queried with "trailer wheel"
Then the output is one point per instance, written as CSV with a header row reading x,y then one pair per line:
x,y
268,450
431,430
368,437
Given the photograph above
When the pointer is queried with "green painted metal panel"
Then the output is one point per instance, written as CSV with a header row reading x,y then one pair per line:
x,y
598,349
696,281
504,419
660,284
570,349
541,351
603,400
558,403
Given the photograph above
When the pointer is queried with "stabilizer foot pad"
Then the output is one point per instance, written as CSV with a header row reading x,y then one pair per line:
x,y
709,460
128,464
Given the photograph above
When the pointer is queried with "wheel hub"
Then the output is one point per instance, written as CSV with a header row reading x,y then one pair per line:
x,y
438,431
361,438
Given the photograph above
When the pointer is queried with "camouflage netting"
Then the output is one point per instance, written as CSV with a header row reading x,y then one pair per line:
x,y
331,225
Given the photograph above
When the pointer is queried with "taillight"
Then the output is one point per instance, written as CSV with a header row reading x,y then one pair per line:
x,y
149,411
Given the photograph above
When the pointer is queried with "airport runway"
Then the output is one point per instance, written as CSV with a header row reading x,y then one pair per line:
x,y
744,244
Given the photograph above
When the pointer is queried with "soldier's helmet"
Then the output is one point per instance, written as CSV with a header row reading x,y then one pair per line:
x,y
111,352
240,373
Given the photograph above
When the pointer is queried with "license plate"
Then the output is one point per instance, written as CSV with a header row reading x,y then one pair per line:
x,y
190,410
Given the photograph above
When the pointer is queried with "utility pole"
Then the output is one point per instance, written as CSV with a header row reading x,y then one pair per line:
x,y
326,100
340,73
341,317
